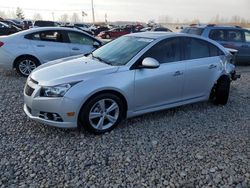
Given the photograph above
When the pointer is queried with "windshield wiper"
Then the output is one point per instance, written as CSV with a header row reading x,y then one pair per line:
x,y
101,60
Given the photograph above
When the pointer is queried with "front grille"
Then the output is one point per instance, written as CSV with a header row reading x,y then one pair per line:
x,y
29,90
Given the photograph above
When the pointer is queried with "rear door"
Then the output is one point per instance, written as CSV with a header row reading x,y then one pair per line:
x,y
79,43
49,45
202,62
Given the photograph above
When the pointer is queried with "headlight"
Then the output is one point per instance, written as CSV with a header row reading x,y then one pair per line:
x,y
56,91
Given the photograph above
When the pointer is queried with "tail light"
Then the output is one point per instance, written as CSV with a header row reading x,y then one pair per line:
x,y
1,44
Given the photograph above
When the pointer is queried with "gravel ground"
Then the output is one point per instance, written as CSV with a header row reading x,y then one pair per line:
x,y
199,145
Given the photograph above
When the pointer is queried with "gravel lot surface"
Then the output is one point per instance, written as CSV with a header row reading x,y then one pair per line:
x,y
199,145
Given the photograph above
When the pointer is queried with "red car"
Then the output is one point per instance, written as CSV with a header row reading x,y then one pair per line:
x,y
114,33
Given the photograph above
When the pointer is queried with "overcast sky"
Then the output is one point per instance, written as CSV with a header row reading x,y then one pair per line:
x,y
134,10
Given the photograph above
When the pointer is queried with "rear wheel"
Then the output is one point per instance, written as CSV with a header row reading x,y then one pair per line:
x,y
25,65
221,91
102,113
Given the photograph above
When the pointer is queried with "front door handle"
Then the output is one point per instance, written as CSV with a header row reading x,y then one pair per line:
x,y
75,49
178,73
212,66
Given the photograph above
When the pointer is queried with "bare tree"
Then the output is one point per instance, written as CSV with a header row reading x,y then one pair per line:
x,y
2,14
75,18
165,19
64,18
37,16
19,13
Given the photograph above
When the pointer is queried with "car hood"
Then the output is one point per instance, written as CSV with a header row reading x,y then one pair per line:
x,y
69,70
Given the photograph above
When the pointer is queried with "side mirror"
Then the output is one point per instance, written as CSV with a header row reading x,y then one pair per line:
x,y
150,63
96,44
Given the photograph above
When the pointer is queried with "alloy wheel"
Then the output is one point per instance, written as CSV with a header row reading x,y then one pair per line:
x,y
26,66
104,114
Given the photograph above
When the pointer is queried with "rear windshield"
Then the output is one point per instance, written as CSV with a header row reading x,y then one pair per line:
x,y
193,30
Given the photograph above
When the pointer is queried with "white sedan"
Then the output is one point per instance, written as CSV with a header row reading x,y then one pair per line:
x,y
26,50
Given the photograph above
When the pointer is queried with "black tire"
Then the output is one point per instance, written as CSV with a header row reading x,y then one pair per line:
x,y
20,61
221,91
84,115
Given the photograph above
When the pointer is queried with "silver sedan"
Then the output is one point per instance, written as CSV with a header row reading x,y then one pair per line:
x,y
132,75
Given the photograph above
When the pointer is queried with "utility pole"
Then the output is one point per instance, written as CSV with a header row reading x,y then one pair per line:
x,y
106,18
93,11
53,16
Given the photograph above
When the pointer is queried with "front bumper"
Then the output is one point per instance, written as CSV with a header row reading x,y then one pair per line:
x,y
48,122
35,107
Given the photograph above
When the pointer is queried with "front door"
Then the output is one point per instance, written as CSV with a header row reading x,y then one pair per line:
x,y
163,85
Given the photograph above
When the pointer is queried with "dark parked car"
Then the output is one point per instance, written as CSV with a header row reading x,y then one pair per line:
x,y
41,23
79,28
27,24
7,30
161,29
114,33
100,29
233,37
12,23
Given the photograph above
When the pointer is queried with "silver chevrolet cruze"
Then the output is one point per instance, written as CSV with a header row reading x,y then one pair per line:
x,y
132,75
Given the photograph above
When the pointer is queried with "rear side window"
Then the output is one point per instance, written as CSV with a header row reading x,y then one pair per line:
x,y
195,49
217,35
235,36
193,30
50,36
165,51
214,50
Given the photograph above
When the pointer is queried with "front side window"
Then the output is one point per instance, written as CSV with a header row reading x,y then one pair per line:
x,y
247,36
195,49
49,36
78,38
235,36
165,51
217,35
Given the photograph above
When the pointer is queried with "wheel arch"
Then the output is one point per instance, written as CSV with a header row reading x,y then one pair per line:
x,y
222,76
22,56
108,91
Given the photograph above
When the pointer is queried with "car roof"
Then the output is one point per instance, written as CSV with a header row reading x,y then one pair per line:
x,y
37,29
203,26
157,35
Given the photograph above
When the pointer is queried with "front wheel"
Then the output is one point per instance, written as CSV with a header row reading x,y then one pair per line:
x,y
26,65
102,113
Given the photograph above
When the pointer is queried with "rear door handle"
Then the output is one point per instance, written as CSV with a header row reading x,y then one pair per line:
x,y
75,49
212,66
178,73
245,46
40,45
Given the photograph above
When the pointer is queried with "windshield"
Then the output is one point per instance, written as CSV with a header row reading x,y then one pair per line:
x,y
121,50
